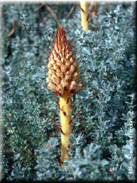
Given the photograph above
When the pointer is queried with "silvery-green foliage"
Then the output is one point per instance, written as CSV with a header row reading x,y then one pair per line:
x,y
88,165
101,132
27,103
47,165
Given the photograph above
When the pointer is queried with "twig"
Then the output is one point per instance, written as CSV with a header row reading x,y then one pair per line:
x,y
70,11
40,7
13,29
51,11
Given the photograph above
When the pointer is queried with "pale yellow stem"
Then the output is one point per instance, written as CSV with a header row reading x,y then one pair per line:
x,y
84,16
65,117
94,9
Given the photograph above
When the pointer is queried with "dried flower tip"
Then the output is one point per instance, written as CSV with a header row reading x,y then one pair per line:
x,y
50,72
55,79
47,79
62,59
68,75
52,62
51,86
75,64
64,83
59,73
67,63
75,76
72,68
55,67
71,60
49,65
72,85
63,68
79,87
60,90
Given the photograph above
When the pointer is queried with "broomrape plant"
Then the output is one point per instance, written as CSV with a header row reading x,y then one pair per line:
x,y
63,80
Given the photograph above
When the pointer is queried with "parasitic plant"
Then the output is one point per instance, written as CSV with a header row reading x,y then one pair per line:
x,y
63,80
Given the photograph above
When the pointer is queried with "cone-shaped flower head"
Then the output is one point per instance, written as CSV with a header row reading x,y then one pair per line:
x,y
63,70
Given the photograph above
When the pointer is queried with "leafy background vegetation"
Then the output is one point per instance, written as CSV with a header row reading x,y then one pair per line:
x,y
101,132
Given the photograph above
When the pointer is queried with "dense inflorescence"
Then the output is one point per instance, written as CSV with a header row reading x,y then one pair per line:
x,y
63,70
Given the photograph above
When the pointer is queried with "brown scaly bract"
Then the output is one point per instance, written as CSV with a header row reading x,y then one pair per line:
x,y
63,70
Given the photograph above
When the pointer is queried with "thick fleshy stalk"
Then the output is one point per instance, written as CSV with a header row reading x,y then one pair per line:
x,y
84,15
66,126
